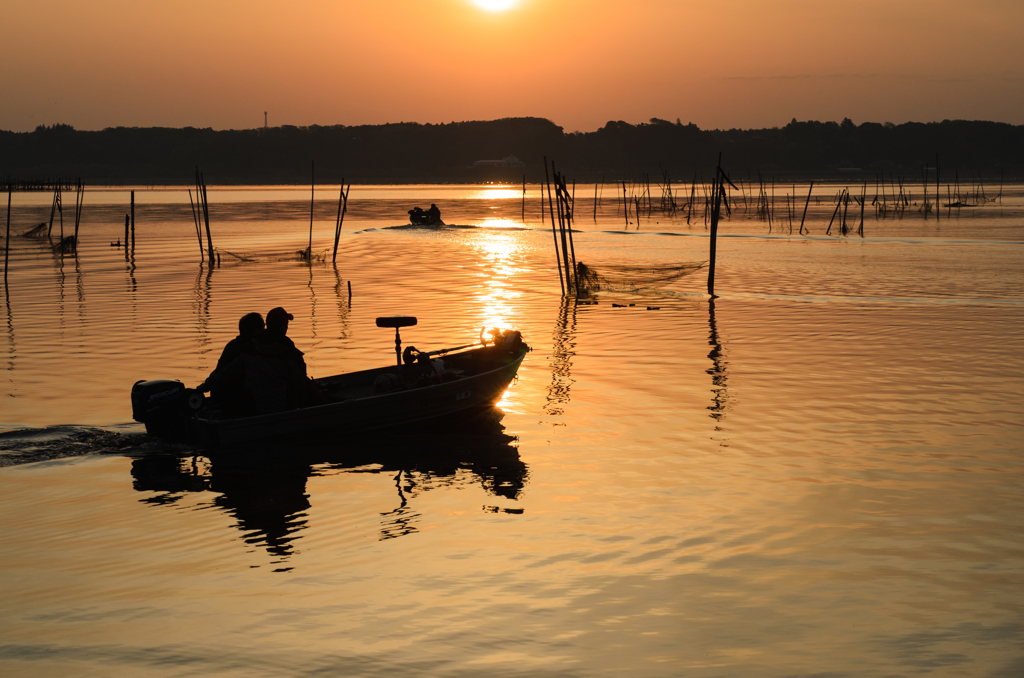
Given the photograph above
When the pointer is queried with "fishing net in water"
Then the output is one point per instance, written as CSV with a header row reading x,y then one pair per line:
x,y
37,232
285,255
633,278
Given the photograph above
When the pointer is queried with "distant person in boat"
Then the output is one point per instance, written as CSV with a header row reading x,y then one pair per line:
x,y
417,215
229,392
434,214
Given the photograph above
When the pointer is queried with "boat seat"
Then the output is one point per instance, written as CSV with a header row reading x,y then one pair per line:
x,y
396,321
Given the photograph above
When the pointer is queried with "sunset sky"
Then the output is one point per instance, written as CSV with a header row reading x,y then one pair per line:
x,y
220,64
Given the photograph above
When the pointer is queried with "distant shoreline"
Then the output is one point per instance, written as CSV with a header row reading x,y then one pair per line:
x,y
511,149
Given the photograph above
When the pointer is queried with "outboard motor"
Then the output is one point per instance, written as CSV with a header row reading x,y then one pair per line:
x,y
165,406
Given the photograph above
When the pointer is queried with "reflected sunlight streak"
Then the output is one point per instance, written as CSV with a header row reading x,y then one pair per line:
x,y
495,5
496,193
495,292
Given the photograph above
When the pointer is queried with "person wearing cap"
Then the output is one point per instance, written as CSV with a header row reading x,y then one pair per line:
x,y
275,371
272,370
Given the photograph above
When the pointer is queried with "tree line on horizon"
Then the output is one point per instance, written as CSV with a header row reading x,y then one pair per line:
x,y
414,152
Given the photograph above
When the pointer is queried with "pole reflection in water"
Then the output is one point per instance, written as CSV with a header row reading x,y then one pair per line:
x,y
201,295
11,349
561,358
264,488
80,288
344,305
129,256
719,377
59,261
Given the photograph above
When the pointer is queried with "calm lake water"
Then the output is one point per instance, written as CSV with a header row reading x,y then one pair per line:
x,y
818,474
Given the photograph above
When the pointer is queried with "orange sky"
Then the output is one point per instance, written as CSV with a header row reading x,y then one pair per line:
x,y
580,63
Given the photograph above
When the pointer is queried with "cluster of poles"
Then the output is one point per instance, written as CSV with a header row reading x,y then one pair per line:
x,y
307,254
67,244
561,230
200,215
28,185
561,223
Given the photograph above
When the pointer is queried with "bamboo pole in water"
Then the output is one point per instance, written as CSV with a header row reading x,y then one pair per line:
x,y
572,247
523,218
195,220
79,201
342,209
717,198
863,199
127,220
7,240
206,218
563,205
625,204
554,234
53,207
312,192
132,220
805,209
828,231
937,210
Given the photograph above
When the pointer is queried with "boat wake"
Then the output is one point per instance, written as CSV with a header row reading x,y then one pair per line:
x,y
27,446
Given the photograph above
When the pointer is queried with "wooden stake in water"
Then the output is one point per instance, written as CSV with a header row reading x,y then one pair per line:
x,y
563,217
79,201
523,218
805,209
53,207
625,204
342,209
717,198
554,233
133,220
312,190
863,198
195,220
7,241
206,218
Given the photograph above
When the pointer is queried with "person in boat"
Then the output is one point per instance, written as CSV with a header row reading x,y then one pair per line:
x,y
417,215
275,371
272,370
229,392
434,214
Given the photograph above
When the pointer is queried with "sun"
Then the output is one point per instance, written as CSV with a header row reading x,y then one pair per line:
x,y
495,5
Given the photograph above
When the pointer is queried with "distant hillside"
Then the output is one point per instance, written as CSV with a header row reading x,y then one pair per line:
x,y
407,152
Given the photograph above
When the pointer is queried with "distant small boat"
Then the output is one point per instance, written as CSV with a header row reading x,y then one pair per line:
x,y
472,377
424,220
419,217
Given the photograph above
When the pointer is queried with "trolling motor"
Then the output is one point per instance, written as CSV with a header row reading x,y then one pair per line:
x,y
397,321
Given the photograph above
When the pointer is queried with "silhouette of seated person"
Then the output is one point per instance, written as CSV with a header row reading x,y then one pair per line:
x,y
433,214
273,369
228,392
417,216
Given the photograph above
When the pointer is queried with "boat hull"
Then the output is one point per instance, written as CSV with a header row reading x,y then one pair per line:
x,y
491,370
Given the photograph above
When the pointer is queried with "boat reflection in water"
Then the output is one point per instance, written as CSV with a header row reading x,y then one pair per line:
x,y
264,488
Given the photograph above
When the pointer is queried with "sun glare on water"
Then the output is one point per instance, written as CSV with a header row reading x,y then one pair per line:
x,y
495,5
